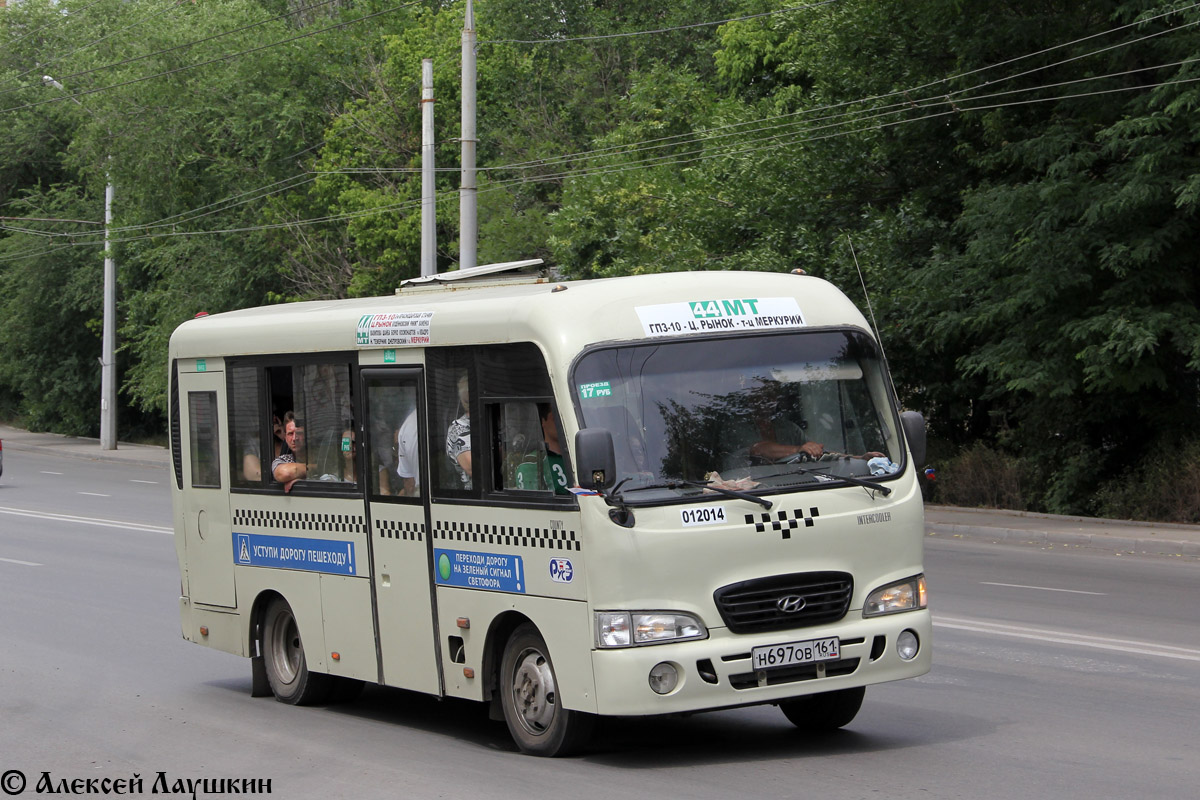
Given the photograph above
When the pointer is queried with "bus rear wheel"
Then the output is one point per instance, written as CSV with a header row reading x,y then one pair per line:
x,y
828,711
283,656
529,697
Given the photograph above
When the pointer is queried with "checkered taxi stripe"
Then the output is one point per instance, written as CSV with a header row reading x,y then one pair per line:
x,y
393,529
299,521
511,536
781,521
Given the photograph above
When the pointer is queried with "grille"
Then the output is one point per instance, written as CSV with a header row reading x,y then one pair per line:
x,y
753,606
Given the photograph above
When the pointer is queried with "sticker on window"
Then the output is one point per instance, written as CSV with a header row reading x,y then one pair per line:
x,y
590,391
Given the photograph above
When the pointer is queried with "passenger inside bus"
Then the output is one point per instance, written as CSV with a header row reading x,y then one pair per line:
x,y
291,466
408,456
548,472
251,458
458,436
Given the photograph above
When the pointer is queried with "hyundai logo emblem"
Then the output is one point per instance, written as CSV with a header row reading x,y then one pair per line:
x,y
791,603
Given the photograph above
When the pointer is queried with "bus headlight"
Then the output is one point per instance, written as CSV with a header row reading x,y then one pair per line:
x,y
906,595
633,628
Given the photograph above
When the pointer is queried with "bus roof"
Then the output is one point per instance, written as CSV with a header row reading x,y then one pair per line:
x,y
563,317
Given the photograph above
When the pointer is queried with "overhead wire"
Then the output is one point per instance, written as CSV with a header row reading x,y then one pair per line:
x,y
629,34
780,140
62,19
42,66
185,45
218,60
792,118
671,160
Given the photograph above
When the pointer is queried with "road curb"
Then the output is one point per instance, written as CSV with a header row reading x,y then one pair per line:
x,y
1121,544
140,455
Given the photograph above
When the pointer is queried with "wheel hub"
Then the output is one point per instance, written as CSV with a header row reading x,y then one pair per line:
x,y
534,692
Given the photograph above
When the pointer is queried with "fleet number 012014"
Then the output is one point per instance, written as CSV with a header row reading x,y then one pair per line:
x,y
702,515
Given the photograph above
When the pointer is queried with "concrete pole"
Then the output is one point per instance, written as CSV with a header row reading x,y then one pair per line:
x,y
468,209
428,187
108,340
108,354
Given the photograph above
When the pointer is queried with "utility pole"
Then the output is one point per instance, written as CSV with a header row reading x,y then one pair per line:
x,y
428,188
108,343
468,209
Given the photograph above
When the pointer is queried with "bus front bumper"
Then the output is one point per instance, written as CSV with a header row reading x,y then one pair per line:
x,y
716,672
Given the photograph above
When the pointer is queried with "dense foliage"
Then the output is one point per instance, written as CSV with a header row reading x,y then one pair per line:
x,y
1017,185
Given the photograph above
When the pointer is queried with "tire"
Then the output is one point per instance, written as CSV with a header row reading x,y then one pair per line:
x,y
539,725
283,656
825,712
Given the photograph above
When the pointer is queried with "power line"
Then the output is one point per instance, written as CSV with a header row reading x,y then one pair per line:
x,y
658,30
219,59
44,65
792,119
776,142
185,45
62,19
707,152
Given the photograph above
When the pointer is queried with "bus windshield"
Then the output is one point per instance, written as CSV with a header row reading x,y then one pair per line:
x,y
761,413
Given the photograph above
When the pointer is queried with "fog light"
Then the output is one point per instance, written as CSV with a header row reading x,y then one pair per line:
x,y
907,645
664,678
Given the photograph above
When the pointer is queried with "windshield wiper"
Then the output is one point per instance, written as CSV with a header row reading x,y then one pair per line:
x,y
699,484
885,490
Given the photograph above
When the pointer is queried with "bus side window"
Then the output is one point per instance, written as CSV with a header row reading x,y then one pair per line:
x,y
394,462
202,433
451,438
246,452
519,446
323,405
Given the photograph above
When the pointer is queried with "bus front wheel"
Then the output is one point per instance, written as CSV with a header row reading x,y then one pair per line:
x,y
828,711
529,696
283,656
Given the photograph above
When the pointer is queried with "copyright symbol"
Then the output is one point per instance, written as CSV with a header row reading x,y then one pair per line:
x,y
12,782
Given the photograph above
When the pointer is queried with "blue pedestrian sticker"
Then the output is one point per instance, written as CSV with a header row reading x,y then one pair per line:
x,y
289,552
495,571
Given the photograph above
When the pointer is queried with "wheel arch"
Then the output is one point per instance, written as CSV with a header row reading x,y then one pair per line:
x,y
499,632
259,685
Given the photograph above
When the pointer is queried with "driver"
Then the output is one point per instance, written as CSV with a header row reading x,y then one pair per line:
x,y
779,437
769,448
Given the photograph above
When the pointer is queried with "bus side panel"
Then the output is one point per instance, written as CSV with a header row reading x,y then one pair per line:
x,y
535,558
348,630
219,628
302,591
565,625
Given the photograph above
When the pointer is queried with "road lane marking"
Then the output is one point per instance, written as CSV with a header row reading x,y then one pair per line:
x,y
48,472
1063,637
94,494
152,483
105,523
22,563
1042,588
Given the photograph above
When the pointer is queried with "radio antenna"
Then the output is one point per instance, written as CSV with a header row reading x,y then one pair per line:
x,y
866,294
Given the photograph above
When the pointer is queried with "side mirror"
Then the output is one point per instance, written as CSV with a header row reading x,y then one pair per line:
x,y
914,431
596,458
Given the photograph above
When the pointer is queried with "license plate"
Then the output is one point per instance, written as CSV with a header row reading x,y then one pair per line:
x,y
785,655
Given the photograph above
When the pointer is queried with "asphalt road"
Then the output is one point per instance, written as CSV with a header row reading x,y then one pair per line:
x,y
1059,672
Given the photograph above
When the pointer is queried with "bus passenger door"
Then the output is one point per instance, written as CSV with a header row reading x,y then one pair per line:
x,y
394,427
206,539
